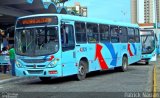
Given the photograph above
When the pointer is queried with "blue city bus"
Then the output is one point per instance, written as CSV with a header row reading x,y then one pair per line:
x,y
56,45
149,45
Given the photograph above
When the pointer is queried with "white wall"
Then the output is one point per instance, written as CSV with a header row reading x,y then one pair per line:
x,y
154,11
140,11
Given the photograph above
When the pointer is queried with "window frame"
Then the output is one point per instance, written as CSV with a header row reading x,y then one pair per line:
x,y
137,36
85,32
105,33
131,36
115,26
92,32
123,35
69,46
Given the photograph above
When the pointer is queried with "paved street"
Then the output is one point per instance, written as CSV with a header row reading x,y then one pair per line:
x,y
138,78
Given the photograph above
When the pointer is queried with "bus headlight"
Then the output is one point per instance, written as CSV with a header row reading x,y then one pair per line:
x,y
19,65
52,64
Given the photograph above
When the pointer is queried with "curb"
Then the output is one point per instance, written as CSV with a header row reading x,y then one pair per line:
x,y
154,82
10,80
16,79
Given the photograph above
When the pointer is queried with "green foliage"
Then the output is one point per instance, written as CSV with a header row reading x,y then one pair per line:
x,y
59,1
74,10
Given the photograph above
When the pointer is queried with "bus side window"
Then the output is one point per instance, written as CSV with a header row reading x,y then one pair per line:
x,y
63,35
137,36
104,33
114,34
67,37
131,35
92,32
123,35
80,31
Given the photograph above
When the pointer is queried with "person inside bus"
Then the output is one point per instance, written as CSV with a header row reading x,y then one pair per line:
x,y
114,35
64,35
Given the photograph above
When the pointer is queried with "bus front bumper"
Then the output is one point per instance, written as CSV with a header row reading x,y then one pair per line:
x,y
47,72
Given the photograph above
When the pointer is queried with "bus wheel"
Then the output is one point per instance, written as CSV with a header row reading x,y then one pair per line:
x,y
124,64
147,63
82,70
45,79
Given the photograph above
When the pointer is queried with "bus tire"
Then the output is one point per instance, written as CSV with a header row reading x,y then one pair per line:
x,y
82,70
45,79
147,63
124,66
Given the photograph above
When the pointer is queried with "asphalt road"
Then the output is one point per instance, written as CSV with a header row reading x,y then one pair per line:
x,y
138,78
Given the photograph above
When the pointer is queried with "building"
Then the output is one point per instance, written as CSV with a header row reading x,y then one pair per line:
x,y
145,11
133,11
78,9
158,11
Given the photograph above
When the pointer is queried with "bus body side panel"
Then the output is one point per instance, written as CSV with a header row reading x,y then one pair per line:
x,y
139,51
84,51
122,50
112,54
103,56
91,54
132,49
69,63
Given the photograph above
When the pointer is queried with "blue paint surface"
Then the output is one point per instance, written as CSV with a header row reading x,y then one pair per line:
x,y
114,55
135,50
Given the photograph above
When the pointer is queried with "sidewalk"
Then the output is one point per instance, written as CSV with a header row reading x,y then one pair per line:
x,y
158,74
7,77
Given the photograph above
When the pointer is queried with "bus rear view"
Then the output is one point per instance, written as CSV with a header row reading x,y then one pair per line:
x,y
148,39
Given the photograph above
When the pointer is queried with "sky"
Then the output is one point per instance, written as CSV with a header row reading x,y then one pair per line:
x,y
116,10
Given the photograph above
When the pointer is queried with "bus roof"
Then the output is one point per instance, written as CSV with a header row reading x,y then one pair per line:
x,y
85,19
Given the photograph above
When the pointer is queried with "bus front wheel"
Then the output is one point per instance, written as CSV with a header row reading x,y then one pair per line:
x,y
82,70
147,63
45,79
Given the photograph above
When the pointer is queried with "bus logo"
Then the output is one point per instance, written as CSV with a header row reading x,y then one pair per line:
x,y
34,66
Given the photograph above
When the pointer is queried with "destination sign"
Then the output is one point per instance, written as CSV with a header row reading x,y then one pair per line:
x,y
37,21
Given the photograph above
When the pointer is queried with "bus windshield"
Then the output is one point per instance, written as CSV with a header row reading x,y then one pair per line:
x,y
36,41
148,44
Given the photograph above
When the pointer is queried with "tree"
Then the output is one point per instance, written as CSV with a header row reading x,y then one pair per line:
x,y
74,10
59,1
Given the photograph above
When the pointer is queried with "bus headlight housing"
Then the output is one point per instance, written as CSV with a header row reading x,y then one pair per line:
x,y
19,65
52,64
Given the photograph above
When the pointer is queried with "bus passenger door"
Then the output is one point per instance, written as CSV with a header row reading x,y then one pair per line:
x,y
68,49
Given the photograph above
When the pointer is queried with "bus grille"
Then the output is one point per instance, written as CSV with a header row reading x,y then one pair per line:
x,y
37,66
35,71
34,60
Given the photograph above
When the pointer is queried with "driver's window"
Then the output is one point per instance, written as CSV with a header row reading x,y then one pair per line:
x,y
67,37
